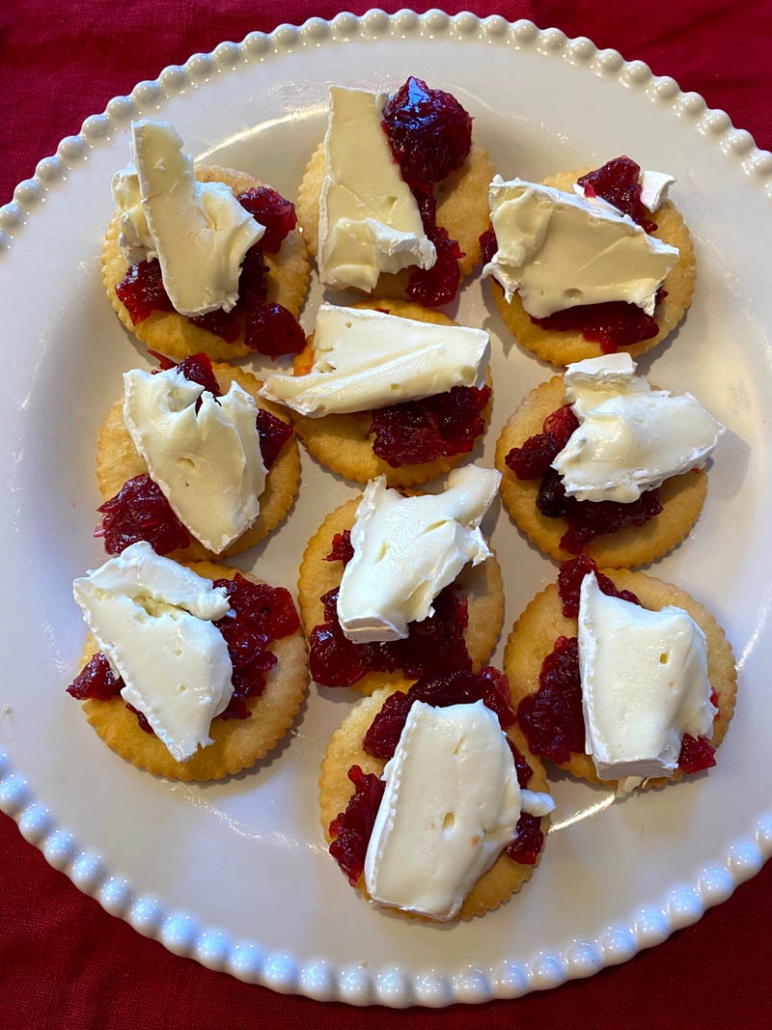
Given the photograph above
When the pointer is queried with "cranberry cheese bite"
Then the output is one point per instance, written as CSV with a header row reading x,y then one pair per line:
x,y
392,587
373,394
599,462
202,259
191,461
583,265
190,673
393,201
431,800
619,677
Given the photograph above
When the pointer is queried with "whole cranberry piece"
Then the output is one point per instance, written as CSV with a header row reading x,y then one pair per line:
x,y
270,209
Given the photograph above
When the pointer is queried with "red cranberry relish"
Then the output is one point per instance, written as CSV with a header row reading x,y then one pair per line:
x,y
430,135
552,718
434,427
140,511
352,829
586,519
268,328
613,324
262,614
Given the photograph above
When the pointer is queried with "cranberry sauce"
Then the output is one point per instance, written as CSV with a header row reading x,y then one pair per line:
x,y
618,183
586,519
352,829
434,427
552,718
268,328
430,135
262,614
139,511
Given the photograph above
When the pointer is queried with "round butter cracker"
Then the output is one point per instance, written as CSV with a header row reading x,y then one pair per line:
x,y
482,585
505,877
175,335
682,497
118,461
534,635
342,442
563,348
462,209
238,743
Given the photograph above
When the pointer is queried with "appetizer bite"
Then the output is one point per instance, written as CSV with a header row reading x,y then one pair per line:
x,y
194,462
407,397
392,588
193,673
393,201
202,259
586,264
621,678
431,800
599,462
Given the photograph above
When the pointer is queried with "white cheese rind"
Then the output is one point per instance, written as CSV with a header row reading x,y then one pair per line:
x,y
197,231
644,684
152,618
451,803
654,189
408,549
558,250
369,220
207,463
630,438
365,360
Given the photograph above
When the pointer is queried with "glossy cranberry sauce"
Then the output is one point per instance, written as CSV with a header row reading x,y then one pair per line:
x,y
140,511
430,135
551,718
262,614
268,328
352,829
586,520
618,183
434,427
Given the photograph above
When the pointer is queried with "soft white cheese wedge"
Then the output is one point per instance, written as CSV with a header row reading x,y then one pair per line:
x,y
559,250
198,231
451,804
408,549
207,463
369,220
152,618
644,684
630,438
368,359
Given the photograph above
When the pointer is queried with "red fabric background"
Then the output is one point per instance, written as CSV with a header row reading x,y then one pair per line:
x,y
64,962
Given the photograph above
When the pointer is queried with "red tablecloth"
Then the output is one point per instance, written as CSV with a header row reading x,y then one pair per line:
x,y
64,962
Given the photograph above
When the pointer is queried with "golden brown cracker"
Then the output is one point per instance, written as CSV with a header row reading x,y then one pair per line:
x,y
462,209
238,743
534,634
343,444
503,879
682,496
176,335
482,585
118,461
562,348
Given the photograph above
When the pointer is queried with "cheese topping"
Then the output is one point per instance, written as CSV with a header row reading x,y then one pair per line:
x,y
208,462
198,231
369,220
451,804
559,250
367,359
644,684
408,549
630,438
152,618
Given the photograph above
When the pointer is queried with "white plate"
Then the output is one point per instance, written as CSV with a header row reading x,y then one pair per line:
x,y
236,874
